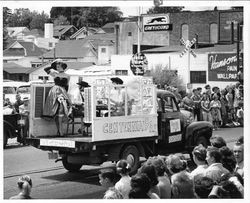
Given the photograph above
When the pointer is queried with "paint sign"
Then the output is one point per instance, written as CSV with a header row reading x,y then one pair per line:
x,y
57,143
222,67
122,127
138,64
175,125
174,138
156,23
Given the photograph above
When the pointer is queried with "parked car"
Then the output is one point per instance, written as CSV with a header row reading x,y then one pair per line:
x,y
10,89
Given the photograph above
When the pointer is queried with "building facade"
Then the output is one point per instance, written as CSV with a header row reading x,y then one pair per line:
x,y
209,27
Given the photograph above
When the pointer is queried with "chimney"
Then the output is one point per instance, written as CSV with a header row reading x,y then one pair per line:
x,y
48,30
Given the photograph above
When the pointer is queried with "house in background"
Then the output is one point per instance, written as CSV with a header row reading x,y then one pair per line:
x,y
63,32
109,28
72,50
96,49
13,71
83,33
22,53
17,33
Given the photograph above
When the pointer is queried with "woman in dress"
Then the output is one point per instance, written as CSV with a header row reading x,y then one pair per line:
x,y
58,104
205,108
215,111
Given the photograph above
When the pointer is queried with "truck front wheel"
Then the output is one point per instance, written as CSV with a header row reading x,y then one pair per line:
x,y
131,154
70,167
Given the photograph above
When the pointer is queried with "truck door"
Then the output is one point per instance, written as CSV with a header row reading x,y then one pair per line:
x,y
172,122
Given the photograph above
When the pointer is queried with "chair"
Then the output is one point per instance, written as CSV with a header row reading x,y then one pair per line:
x,y
77,112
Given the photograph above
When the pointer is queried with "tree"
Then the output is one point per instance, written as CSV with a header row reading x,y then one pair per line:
x,y
165,76
87,16
6,16
61,20
20,18
163,9
38,20
23,17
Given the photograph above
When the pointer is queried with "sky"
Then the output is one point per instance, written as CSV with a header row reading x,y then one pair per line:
x,y
129,8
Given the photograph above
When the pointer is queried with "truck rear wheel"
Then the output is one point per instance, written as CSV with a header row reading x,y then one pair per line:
x,y
70,167
131,154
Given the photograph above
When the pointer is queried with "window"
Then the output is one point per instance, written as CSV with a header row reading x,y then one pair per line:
x,y
43,77
169,104
121,72
213,35
50,44
129,34
184,31
103,50
198,76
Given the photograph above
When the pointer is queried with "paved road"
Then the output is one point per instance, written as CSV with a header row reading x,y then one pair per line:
x,y
52,181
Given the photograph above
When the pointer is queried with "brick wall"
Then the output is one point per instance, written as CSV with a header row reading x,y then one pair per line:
x,y
198,23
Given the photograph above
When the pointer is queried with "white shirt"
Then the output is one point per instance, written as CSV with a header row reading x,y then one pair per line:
x,y
215,171
200,170
123,186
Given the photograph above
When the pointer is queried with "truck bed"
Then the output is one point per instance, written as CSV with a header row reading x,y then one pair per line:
x,y
75,143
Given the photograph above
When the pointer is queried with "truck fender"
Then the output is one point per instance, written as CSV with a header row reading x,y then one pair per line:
x,y
195,130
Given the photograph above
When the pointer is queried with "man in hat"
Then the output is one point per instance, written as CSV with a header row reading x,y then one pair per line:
x,y
117,97
24,111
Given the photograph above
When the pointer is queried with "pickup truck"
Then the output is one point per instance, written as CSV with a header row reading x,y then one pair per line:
x,y
152,125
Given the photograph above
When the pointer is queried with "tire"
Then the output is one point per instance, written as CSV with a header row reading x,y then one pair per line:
x,y
132,155
70,167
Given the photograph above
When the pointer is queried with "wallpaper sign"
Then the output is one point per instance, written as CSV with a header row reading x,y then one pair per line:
x,y
222,67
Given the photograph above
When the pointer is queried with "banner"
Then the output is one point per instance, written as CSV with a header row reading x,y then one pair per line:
x,y
222,67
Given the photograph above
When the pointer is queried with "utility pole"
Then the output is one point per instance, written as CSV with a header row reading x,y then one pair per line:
x,y
138,31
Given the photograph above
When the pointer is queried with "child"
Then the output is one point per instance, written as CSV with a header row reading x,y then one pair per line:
x,y
215,111
123,185
240,114
107,178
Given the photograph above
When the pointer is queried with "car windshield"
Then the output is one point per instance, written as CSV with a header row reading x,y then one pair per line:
x,y
9,90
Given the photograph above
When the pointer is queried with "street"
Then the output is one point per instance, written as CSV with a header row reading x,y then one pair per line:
x,y
52,181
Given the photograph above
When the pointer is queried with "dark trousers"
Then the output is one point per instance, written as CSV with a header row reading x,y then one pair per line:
x,y
197,112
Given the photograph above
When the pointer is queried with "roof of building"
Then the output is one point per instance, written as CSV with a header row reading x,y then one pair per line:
x,y
61,29
178,48
69,49
30,48
34,32
14,68
14,31
101,36
109,27
91,30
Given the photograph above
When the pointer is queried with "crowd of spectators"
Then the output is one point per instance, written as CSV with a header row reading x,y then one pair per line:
x,y
218,173
222,107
